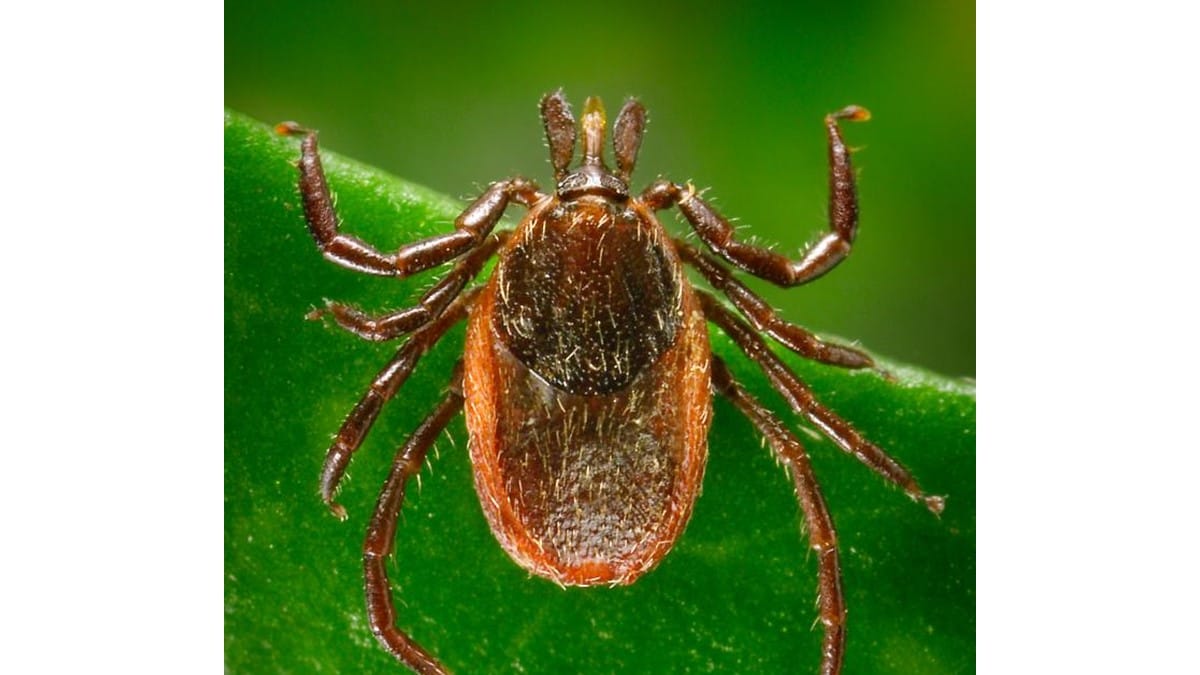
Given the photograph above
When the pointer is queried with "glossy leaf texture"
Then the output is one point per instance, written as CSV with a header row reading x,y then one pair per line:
x,y
735,595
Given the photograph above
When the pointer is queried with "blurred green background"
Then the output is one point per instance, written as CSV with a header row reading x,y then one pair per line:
x,y
445,94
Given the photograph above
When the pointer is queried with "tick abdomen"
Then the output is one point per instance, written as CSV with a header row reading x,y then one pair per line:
x,y
590,402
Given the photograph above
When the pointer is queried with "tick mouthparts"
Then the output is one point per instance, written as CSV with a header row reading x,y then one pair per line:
x,y
594,122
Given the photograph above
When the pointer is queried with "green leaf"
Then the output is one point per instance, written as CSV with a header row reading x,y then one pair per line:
x,y
735,595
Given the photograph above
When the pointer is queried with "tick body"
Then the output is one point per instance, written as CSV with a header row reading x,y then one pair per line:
x,y
587,389
587,376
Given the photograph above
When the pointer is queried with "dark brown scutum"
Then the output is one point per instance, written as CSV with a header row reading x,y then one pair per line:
x,y
587,296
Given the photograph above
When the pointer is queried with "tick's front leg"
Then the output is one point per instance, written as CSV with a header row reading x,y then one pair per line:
x,y
470,228
821,257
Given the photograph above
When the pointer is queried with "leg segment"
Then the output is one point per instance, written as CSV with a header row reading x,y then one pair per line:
x,y
470,228
764,318
801,399
718,234
381,535
382,389
821,535
392,326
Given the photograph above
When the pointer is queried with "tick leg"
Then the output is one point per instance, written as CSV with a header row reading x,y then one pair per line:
x,y
718,234
382,389
381,534
821,535
765,319
470,228
801,399
435,300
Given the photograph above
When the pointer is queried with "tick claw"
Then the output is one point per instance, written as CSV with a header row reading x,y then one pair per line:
x,y
935,504
854,113
338,511
290,128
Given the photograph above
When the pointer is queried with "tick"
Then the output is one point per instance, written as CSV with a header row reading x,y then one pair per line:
x,y
587,377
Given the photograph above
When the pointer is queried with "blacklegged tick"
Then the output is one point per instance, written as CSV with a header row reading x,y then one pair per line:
x,y
587,379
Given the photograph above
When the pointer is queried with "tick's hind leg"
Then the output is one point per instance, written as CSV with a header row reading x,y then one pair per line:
x,y
801,399
821,257
431,304
821,535
765,319
470,228
381,534
383,388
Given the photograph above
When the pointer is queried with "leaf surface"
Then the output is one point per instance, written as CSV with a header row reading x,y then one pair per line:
x,y
735,595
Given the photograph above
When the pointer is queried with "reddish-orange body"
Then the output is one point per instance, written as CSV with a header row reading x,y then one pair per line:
x,y
587,397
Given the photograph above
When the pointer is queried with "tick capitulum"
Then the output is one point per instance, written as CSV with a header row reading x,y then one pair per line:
x,y
587,374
